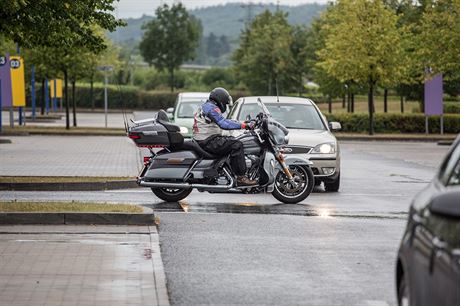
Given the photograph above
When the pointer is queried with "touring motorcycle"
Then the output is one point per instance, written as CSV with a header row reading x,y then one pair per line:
x,y
179,166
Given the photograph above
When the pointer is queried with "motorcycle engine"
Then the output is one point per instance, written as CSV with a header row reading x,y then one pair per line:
x,y
251,161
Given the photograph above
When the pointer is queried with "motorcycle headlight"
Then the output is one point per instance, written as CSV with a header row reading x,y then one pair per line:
x,y
324,148
183,130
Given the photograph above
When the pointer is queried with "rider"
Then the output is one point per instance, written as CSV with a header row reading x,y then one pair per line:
x,y
207,131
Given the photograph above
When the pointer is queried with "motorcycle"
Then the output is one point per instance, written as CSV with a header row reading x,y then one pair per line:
x,y
182,165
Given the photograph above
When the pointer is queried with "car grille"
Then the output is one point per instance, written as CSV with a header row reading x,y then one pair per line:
x,y
296,150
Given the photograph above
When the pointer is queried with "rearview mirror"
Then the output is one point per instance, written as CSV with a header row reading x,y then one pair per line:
x,y
446,205
335,126
248,117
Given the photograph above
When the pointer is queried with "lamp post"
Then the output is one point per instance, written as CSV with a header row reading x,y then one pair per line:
x,y
106,70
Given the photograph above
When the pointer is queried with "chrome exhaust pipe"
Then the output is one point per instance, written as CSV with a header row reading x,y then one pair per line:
x,y
184,185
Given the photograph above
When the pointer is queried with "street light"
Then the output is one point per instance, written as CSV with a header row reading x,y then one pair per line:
x,y
106,70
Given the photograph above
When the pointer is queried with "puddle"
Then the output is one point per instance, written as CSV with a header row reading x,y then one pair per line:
x,y
269,209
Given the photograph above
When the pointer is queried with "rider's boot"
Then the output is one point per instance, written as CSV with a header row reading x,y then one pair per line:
x,y
242,180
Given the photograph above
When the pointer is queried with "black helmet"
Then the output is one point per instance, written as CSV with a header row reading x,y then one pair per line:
x,y
221,98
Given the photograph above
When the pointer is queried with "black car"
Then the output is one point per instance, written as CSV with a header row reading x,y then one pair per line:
x,y
428,265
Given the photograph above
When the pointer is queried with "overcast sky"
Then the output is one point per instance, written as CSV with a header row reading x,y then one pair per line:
x,y
137,8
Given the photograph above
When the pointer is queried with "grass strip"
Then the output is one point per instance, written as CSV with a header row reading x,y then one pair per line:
x,y
61,179
13,206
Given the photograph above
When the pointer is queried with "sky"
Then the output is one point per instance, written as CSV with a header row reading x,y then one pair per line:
x,y
137,8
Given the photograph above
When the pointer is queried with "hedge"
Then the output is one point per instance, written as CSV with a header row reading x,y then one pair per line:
x,y
128,97
396,123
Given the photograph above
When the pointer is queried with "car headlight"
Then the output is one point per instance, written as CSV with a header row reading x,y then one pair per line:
x,y
183,130
324,148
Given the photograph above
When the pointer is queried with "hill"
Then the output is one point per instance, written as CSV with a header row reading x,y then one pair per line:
x,y
227,20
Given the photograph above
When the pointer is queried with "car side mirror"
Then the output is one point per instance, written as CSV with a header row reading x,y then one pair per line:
x,y
335,126
170,112
446,205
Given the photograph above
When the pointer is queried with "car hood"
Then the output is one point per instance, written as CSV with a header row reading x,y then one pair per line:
x,y
185,122
310,138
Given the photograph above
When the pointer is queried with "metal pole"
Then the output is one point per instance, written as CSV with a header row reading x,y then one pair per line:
x,y
33,93
47,97
105,98
11,117
442,124
20,109
426,125
54,97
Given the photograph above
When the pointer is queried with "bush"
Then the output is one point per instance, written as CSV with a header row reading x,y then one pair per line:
x,y
396,123
452,108
128,97
218,77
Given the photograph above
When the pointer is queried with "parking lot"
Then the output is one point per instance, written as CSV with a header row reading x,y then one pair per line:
x,y
331,249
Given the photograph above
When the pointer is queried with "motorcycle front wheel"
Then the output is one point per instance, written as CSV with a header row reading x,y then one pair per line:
x,y
171,194
289,193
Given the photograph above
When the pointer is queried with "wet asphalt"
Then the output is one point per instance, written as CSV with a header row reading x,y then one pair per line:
x,y
332,249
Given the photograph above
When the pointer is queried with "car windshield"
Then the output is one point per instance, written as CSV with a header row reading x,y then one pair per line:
x,y
188,109
292,116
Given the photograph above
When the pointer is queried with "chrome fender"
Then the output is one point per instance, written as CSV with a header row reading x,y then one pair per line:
x,y
289,160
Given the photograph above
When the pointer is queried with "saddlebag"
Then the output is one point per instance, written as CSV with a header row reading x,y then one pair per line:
x,y
170,166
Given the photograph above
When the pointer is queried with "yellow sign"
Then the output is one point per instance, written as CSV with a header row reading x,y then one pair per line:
x,y
58,88
17,81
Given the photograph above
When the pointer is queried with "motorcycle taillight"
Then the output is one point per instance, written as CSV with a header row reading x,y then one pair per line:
x,y
134,136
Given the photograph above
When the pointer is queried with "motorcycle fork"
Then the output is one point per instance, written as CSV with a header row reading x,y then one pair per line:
x,y
280,159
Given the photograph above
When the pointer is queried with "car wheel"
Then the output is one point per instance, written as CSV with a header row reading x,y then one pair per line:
x,y
171,194
403,292
334,186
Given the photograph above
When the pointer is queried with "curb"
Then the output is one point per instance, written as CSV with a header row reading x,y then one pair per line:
x,y
76,133
395,138
70,186
158,268
22,218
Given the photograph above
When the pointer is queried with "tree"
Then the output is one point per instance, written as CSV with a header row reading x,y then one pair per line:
x,y
170,39
60,24
264,57
439,38
300,55
363,44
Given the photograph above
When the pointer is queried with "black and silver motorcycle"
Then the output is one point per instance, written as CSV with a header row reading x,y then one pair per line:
x,y
182,165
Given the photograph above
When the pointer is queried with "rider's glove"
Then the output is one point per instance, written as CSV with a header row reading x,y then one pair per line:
x,y
248,125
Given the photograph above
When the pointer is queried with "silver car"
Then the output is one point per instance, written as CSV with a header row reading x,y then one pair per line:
x,y
183,112
309,132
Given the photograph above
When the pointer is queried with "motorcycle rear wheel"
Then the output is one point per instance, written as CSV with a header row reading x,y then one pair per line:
x,y
288,194
171,194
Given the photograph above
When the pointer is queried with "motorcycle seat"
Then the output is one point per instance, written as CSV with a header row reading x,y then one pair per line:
x,y
192,145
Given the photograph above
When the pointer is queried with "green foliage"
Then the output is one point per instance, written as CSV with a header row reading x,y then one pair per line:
x,y
170,39
439,38
363,43
59,24
451,107
264,57
218,77
125,97
396,123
